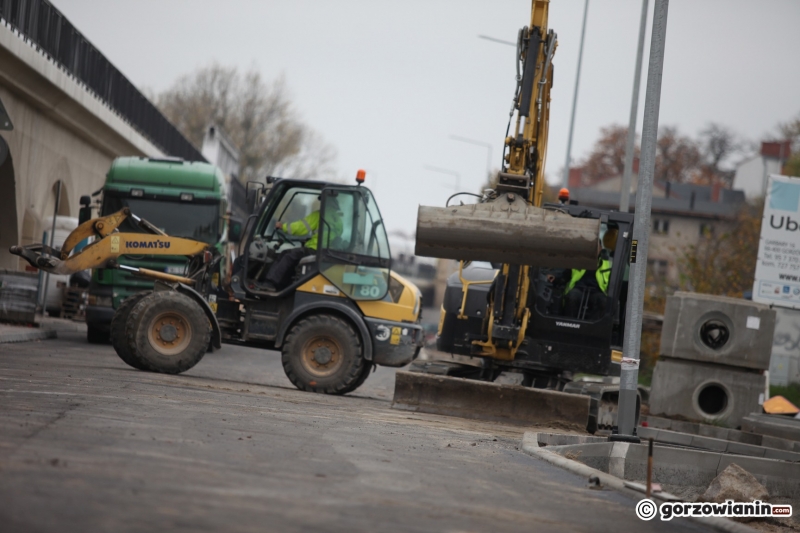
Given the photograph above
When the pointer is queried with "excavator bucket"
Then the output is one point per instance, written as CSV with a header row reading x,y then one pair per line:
x,y
508,230
510,404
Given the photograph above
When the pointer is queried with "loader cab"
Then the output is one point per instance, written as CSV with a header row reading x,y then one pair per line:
x,y
339,226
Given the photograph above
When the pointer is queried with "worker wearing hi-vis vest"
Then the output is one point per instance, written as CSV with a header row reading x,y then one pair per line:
x,y
280,274
590,287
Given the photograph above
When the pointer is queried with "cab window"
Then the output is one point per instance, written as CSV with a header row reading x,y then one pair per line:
x,y
355,248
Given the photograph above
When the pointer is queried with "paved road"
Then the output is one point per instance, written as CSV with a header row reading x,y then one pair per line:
x,y
88,444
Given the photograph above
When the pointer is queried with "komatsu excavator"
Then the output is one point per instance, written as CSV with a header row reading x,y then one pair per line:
x,y
516,307
343,312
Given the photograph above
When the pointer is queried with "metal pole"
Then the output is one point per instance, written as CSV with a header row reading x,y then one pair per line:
x,y
52,235
575,98
625,193
629,375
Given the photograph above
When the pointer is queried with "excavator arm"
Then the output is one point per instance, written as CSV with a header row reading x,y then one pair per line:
x,y
109,244
509,226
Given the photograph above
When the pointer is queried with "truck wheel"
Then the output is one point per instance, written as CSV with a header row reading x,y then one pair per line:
x,y
167,332
322,353
95,335
362,378
118,340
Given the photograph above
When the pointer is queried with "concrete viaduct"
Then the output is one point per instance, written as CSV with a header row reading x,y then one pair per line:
x,y
72,113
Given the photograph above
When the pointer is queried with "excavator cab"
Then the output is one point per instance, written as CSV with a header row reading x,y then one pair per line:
x,y
578,316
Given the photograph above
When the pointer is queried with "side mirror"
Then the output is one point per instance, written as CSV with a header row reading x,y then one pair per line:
x,y
234,230
84,214
86,200
252,190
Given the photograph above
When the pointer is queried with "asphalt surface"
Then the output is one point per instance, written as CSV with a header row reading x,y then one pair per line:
x,y
88,444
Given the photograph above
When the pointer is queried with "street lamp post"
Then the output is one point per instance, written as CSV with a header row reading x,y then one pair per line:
x,y
575,98
448,172
629,373
625,193
486,145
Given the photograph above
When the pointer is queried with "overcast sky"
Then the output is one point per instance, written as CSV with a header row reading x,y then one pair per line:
x,y
387,83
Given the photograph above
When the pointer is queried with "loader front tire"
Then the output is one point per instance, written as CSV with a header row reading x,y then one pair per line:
x,y
118,323
167,332
322,353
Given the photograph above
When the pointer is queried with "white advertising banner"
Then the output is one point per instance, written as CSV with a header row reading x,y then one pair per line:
x,y
777,279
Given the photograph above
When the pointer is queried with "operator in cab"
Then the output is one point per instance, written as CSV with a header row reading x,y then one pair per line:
x,y
280,274
590,287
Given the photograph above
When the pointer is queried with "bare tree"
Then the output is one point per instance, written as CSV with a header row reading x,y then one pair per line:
x,y
607,158
720,147
678,157
259,117
790,131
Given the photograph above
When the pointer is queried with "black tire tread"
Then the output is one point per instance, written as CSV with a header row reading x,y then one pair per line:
x,y
354,376
118,339
137,342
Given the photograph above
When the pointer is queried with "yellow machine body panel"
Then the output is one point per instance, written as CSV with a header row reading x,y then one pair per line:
x,y
397,306
319,284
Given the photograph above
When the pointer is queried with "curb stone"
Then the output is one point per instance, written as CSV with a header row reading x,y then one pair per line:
x,y
25,336
530,445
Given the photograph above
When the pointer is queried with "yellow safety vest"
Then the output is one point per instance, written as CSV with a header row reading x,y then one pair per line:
x,y
310,225
602,274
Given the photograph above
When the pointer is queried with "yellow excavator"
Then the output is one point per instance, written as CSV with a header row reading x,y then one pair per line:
x,y
343,311
517,311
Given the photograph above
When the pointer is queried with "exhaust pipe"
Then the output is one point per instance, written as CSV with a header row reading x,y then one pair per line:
x,y
508,230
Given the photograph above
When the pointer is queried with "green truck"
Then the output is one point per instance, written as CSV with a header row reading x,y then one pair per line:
x,y
185,199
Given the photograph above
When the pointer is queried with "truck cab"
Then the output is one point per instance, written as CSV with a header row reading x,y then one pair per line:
x,y
184,199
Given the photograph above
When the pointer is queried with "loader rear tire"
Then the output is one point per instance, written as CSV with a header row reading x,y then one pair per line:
x,y
322,353
167,332
118,323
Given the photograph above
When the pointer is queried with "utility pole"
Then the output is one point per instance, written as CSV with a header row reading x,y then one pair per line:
x,y
625,193
575,98
629,375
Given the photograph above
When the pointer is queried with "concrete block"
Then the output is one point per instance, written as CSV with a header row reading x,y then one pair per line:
x,y
772,425
716,329
782,455
673,466
715,432
468,398
740,448
779,443
781,478
560,439
784,366
704,392
596,455
746,438
675,437
657,422
708,443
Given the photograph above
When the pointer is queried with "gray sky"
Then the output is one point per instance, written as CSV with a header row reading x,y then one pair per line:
x,y
386,83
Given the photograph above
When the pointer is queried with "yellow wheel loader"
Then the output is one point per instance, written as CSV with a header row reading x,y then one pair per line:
x,y
541,291
342,312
